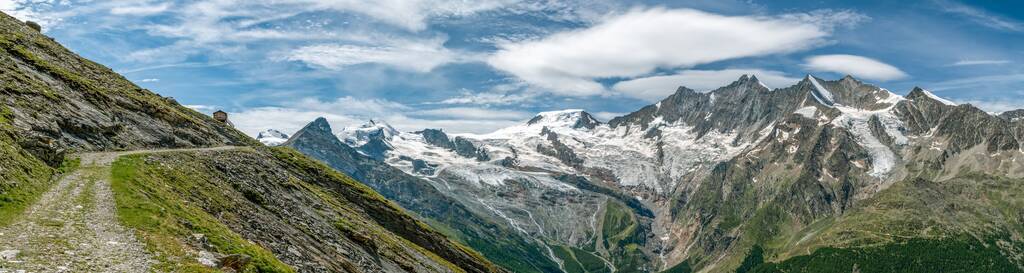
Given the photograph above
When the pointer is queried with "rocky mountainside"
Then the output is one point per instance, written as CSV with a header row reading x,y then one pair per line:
x,y
495,240
820,176
246,209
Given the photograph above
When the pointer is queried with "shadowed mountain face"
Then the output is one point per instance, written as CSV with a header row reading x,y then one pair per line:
x,y
255,208
743,176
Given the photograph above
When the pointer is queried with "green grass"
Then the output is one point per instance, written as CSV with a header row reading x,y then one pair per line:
x,y
149,200
23,178
576,260
915,255
623,237
619,224
683,267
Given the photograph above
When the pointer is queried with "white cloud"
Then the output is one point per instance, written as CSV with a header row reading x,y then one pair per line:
x,y
487,98
640,41
979,62
474,113
421,56
858,66
606,116
655,88
980,16
411,14
32,10
150,80
990,82
140,10
350,106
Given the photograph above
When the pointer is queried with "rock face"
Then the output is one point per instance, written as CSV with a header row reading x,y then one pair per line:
x,y
699,180
285,206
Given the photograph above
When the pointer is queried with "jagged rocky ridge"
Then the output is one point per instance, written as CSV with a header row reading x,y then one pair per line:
x,y
314,219
708,177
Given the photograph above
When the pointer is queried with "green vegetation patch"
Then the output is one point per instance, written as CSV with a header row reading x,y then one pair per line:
x,y
23,178
577,260
619,223
683,267
623,236
149,200
915,255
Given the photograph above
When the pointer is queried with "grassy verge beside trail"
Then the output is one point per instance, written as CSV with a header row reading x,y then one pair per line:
x,y
25,179
150,200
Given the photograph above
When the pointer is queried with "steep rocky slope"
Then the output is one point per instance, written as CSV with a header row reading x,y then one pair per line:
x,y
251,209
307,216
740,178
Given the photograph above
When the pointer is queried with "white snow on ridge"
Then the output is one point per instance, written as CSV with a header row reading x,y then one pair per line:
x,y
272,137
360,135
937,98
821,94
763,85
808,111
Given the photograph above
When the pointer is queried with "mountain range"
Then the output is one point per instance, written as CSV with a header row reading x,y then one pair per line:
x,y
99,175
822,176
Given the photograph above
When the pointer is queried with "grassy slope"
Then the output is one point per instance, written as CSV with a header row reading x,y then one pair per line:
x,y
972,223
623,237
149,200
910,256
23,178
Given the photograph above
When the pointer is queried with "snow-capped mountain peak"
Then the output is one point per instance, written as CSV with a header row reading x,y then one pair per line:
x,y
272,137
572,118
372,129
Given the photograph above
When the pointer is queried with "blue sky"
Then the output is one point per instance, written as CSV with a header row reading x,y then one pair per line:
x,y
474,66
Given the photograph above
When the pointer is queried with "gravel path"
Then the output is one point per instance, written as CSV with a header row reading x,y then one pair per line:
x,y
74,228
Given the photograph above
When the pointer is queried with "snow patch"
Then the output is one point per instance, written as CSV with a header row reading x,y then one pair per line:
x,y
821,94
807,112
857,121
937,98
272,137
364,133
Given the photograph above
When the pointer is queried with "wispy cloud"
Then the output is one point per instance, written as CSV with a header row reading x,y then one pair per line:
x,y
422,56
979,82
978,62
980,16
858,66
140,9
606,116
474,113
642,40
